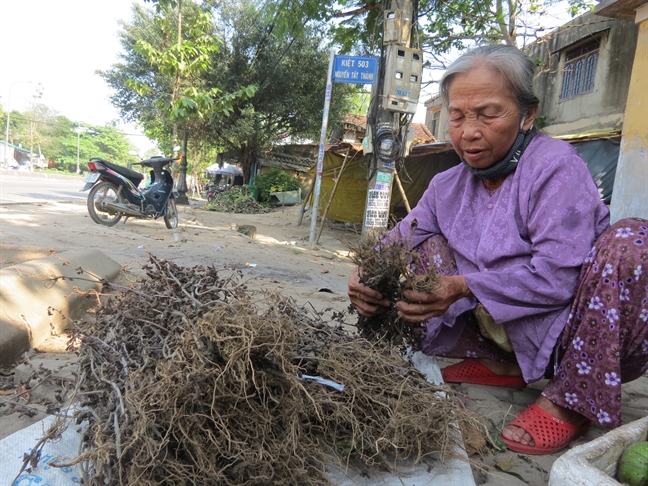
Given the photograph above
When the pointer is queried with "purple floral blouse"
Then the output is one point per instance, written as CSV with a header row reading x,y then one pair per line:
x,y
519,247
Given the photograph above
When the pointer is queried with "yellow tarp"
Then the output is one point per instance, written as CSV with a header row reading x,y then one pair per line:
x,y
348,204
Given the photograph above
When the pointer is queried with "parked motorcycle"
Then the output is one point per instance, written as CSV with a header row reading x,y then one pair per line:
x,y
213,190
115,192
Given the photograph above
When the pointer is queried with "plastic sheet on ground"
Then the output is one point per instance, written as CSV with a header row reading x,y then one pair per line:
x,y
13,448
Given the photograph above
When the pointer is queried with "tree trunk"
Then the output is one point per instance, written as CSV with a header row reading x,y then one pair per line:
x,y
245,161
181,184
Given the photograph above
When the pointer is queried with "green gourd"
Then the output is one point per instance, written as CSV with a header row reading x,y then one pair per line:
x,y
633,466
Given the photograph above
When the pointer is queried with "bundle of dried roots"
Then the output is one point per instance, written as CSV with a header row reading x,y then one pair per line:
x,y
188,380
391,267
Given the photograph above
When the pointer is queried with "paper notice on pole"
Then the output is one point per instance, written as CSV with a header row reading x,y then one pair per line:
x,y
383,177
383,186
377,199
377,208
383,182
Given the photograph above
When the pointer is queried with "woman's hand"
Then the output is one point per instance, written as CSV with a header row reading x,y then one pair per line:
x,y
422,306
365,299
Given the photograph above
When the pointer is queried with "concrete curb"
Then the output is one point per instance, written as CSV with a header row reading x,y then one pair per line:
x,y
32,304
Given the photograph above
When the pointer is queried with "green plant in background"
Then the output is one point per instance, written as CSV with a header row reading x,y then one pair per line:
x,y
236,199
276,180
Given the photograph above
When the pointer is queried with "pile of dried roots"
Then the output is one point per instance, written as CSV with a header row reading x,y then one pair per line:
x,y
189,379
391,267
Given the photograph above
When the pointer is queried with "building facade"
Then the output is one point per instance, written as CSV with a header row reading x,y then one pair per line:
x,y
584,70
436,118
584,75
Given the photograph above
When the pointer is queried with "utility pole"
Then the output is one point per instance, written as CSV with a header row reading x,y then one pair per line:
x,y
393,105
79,131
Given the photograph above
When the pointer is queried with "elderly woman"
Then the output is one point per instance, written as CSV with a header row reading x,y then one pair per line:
x,y
535,283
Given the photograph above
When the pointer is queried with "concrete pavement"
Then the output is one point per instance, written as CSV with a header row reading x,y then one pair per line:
x,y
35,300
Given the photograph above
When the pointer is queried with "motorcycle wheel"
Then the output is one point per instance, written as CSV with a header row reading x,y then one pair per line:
x,y
210,197
98,194
171,216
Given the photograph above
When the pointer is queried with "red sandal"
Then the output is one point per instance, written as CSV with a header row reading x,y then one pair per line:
x,y
549,433
472,371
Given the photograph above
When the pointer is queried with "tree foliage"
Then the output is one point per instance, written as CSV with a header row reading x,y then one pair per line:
x,y
452,24
443,25
53,135
290,73
181,62
354,25
276,180
284,76
159,84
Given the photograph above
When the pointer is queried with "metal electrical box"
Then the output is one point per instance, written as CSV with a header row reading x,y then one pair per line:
x,y
397,27
403,70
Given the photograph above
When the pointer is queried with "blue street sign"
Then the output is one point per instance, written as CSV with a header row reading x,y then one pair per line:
x,y
355,69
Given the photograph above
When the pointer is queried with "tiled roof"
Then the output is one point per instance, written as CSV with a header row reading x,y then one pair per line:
x,y
422,133
285,161
357,120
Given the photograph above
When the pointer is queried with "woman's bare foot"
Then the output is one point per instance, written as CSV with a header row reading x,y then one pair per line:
x,y
501,368
519,435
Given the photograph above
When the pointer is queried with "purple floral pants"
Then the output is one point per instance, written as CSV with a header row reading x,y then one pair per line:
x,y
605,340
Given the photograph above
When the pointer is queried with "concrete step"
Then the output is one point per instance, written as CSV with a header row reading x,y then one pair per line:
x,y
41,296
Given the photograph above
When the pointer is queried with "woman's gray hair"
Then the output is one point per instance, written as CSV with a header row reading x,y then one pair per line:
x,y
516,67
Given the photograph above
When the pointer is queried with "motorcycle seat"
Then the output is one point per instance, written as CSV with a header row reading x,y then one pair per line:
x,y
133,175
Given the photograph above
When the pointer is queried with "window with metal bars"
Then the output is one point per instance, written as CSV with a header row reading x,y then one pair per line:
x,y
436,117
580,68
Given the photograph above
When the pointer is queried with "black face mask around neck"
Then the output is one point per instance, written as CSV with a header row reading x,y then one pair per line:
x,y
509,163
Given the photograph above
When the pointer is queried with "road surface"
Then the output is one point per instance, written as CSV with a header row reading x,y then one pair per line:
x,y
18,188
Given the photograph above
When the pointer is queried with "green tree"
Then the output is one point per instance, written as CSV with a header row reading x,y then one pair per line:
x,y
459,24
54,135
33,127
354,25
106,142
182,62
359,101
290,73
159,83
140,106
443,26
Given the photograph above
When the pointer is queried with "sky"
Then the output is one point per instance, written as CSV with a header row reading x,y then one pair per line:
x,y
60,44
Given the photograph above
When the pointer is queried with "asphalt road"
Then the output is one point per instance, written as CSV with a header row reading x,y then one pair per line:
x,y
18,189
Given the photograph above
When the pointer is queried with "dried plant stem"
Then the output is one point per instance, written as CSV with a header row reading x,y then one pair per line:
x,y
200,383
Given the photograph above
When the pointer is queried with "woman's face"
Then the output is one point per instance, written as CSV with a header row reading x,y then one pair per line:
x,y
484,118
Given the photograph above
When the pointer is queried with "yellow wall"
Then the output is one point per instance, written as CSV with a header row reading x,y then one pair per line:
x,y
630,196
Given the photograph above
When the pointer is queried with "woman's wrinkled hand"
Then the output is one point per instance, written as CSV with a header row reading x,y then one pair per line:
x,y
421,306
366,300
